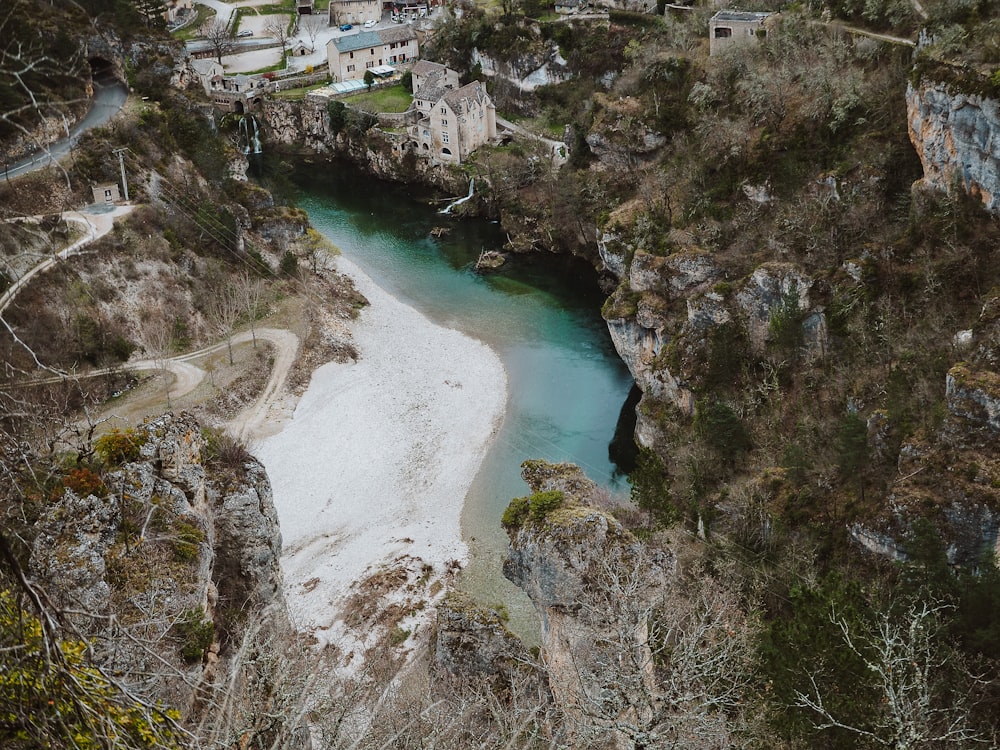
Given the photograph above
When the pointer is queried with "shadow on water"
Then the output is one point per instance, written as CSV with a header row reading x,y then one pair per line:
x,y
540,313
622,450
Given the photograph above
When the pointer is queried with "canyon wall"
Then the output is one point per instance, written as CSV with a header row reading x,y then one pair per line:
x,y
957,137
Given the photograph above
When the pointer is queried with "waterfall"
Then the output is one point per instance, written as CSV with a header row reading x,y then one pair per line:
x,y
460,201
249,135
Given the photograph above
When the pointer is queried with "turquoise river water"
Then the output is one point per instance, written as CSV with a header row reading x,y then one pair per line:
x,y
567,387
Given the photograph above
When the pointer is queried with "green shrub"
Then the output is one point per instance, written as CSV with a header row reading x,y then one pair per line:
x,y
188,538
223,451
289,265
784,329
398,636
516,513
195,634
718,425
116,447
543,503
536,507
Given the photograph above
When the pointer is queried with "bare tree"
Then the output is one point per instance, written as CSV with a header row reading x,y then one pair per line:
x,y
277,27
905,658
157,337
312,25
219,37
249,291
224,311
671,665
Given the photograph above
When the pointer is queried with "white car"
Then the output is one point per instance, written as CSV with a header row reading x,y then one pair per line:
x,y
369,24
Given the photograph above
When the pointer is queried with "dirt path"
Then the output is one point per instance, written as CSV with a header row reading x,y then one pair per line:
x,y
97,225
557,148
252,423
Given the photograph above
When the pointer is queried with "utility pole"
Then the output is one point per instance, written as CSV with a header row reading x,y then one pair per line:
x,y
121,163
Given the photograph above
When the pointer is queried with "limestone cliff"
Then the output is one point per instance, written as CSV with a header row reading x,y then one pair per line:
x,y
569,559
304,127
167,560
472,647
527,72
957,137
952,476
637,651
670,311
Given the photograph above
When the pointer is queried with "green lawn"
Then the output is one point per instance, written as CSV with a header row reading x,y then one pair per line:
x,y
390,99
193,29
300,93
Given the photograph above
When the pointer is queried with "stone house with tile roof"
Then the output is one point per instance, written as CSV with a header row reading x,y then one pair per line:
x,y
354,11
732,27
452,121
348,57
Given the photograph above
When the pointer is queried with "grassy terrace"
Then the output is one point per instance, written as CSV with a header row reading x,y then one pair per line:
x,y
390,99
300,93
193,29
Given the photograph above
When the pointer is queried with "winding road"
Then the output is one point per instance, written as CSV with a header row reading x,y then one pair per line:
x,y
248,424
96,224
109,97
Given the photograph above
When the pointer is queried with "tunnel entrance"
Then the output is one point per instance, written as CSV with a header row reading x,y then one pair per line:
x,y
102,69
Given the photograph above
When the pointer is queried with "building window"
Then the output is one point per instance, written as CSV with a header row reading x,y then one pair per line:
x,y
352,55
444,110
444,123
350,68
370,64
444,138
722,32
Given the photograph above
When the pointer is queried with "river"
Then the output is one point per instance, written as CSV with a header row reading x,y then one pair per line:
x,y
541,314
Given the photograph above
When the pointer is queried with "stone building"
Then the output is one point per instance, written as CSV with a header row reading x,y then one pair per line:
x,y
731,27
107,193
452,122
350,56
354,11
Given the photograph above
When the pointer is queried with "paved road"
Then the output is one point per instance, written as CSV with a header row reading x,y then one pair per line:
x,y
109,97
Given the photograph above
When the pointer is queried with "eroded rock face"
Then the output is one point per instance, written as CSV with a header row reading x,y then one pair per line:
x,y
957,137
664,348
974,395
766,291
567,563
155,552
473,647
528,71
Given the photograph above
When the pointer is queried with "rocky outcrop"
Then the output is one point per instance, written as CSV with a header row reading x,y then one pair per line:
x,y
303,127
769,288
667,308
974,396
473,647
300,124
165,559
573,561
527,72
957,137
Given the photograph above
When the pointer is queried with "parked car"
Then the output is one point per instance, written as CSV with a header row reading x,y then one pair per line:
x,y
245,32
369,24
346,27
